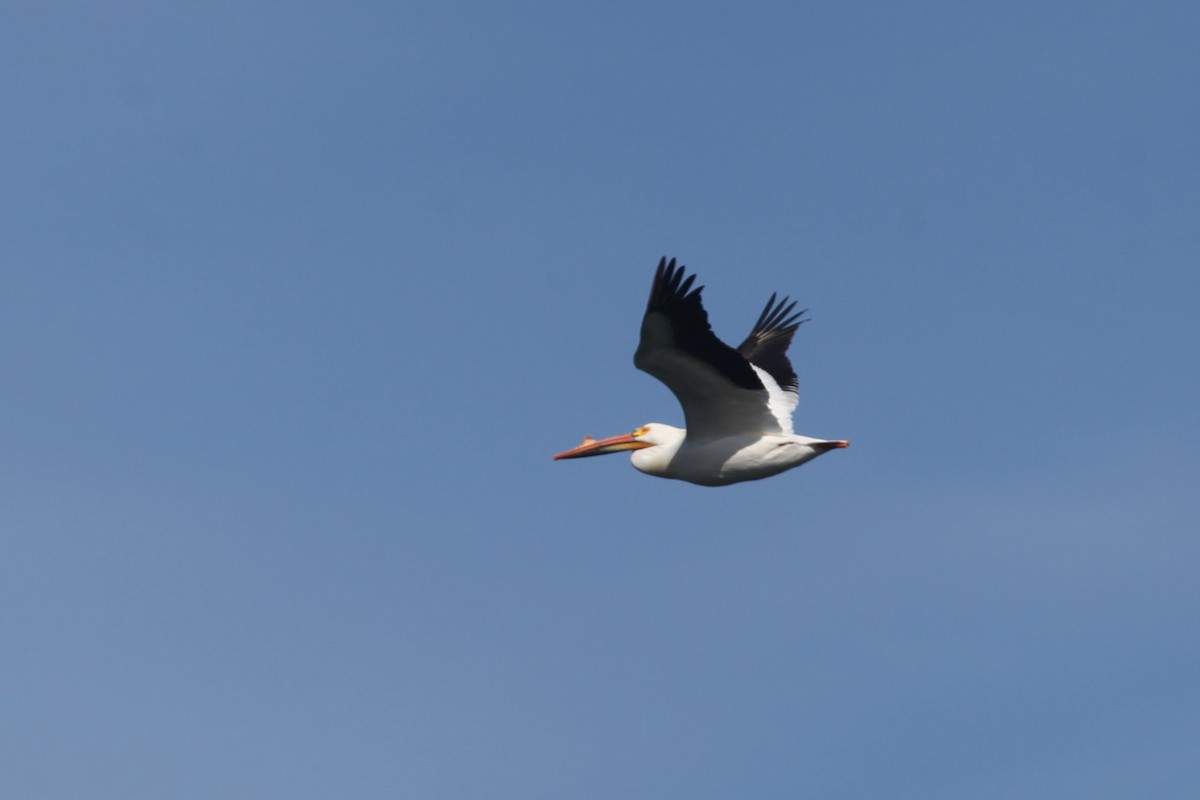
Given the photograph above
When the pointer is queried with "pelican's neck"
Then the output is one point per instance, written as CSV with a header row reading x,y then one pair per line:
x,y
655,460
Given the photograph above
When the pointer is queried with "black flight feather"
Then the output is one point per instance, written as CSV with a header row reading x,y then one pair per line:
x,y
672,296
766,346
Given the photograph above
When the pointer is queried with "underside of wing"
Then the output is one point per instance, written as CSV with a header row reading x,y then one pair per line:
x,y
766,348
720,391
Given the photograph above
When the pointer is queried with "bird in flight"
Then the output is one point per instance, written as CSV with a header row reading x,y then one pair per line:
x,y
737,404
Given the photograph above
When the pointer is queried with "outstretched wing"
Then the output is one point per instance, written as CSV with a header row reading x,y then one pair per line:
x,y
766,349
722,393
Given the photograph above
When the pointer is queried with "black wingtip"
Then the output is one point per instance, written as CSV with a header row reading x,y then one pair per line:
x,y
674,297
766,346
672,285
779,316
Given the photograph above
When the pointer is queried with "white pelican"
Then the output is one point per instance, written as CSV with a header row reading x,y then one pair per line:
x,y
737,404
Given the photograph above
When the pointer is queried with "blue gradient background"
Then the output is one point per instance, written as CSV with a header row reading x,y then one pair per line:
x,y
298,300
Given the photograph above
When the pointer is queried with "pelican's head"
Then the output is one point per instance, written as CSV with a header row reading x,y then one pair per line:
x,y
650,435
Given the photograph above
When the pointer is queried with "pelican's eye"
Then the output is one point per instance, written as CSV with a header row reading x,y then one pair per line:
x,y
642,431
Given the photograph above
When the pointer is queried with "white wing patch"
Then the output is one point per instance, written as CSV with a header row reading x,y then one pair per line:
x,y
780,403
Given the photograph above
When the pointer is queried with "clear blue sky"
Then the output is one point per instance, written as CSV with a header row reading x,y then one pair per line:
x,y
296,302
